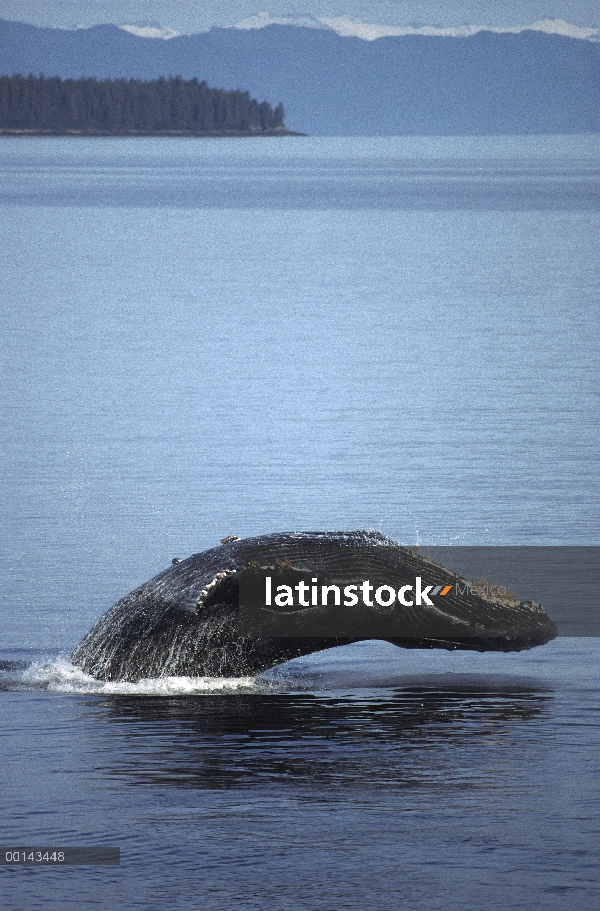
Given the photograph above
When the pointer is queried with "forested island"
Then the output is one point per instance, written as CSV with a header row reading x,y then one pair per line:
x,y
132,107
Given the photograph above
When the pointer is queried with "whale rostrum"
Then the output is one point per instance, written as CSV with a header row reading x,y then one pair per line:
x,y
188,620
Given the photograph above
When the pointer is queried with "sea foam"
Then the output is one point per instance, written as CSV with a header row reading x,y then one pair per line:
x,y
60,676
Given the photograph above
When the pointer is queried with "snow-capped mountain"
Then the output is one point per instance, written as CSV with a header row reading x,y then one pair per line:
x,y
349,27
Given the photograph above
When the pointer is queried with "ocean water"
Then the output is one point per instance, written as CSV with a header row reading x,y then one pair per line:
x,y
203,338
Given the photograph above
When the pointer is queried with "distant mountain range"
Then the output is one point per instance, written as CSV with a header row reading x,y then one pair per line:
x,y
488,82
352,27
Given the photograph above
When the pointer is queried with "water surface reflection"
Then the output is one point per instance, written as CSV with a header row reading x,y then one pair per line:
x,y
391,738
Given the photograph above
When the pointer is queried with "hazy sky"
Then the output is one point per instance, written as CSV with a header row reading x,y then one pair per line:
x,y
198,15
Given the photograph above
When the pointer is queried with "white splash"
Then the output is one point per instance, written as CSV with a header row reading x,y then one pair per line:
x,y
60,676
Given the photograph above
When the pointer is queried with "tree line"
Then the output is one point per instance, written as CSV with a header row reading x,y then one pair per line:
x,y
173,105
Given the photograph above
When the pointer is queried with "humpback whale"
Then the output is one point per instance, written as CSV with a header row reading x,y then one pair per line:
x,y
187,620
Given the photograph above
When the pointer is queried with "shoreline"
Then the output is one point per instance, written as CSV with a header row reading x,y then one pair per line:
x,y
124,134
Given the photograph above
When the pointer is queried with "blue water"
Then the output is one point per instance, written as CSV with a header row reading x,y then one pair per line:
x,y
202,338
